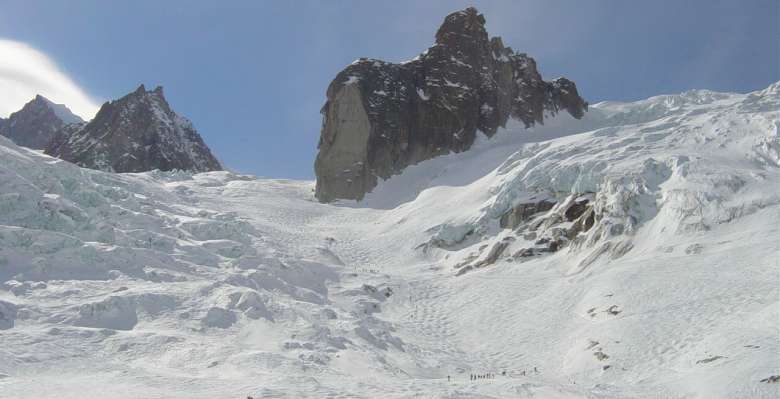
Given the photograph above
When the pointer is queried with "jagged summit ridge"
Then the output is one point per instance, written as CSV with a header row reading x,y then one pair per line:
x,y
381,117
136,133
37,122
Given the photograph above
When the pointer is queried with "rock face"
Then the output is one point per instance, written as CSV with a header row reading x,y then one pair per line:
x,y
523,211
541,225
37,123
381,117
137,133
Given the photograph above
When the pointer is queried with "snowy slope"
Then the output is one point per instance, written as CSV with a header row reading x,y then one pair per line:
x,y
218,285
63,112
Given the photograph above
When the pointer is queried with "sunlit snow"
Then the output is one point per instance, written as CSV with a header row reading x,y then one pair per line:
x,y
219,285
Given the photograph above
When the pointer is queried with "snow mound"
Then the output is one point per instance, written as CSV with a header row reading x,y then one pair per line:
x,y
114,312
219,317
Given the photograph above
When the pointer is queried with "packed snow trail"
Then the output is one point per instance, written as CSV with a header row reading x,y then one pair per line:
x,y
215,285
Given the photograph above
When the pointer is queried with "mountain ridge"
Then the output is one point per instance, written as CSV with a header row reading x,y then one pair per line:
x,y
37,123
136,133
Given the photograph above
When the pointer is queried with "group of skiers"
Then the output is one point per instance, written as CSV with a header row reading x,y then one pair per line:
x,y
487,376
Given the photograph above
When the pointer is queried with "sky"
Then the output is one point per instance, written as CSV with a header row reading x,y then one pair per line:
x,y
252,75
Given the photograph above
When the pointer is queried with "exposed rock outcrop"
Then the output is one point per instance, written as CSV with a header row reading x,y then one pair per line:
x,y
137,133
524,210
381,117
541,224
37,123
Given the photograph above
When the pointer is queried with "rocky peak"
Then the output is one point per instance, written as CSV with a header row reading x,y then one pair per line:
x,y
464,33
37,122
136,133
381,117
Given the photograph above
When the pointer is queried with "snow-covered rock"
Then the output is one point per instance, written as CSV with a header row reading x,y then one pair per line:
x,y
253,305
114,312
219,317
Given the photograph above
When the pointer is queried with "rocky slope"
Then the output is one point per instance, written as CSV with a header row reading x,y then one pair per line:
x,y
381,117
37,123
137,133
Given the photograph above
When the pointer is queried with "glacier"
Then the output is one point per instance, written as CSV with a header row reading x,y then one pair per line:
x,y
218,284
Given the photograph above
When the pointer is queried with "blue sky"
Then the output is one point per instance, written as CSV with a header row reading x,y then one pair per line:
x,y
252,74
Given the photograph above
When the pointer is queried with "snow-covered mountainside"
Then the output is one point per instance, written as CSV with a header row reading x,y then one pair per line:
x,y
662,282
136,133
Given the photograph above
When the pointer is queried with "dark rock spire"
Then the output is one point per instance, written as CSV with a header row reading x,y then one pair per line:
x,y
381,117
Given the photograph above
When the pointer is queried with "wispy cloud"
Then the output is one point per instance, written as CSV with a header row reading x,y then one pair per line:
x,y
25,72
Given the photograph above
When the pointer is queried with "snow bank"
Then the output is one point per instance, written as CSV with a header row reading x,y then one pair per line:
x,y
115,312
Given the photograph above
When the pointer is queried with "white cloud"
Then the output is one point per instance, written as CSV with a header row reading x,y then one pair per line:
x,y
25,72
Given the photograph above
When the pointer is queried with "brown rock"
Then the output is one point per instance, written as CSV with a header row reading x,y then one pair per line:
x,y
522,212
